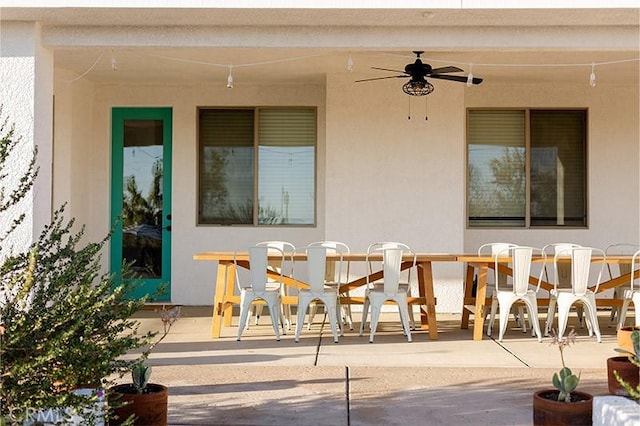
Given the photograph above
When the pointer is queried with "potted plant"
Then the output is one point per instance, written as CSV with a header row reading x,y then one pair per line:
x,y
623,372
143,402
64,325
623,336
562,405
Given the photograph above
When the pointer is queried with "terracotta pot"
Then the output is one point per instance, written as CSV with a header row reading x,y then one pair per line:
x,y
149,409
547,410
630,373
624,337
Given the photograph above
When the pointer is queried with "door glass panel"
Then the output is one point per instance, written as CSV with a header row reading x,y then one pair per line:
x,y
142,196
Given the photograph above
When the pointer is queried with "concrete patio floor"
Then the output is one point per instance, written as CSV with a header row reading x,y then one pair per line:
x,y
450,381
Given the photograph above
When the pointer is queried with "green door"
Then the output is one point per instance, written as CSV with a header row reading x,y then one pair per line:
x,y
141,197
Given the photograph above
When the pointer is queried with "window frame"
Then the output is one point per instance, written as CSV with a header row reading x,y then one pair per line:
x,y
256,147
528,153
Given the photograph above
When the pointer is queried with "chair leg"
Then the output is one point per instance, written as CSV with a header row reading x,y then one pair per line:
x,y
521,319
244,312
563,317
365,312
258,310
313,308
504,320
333,321
593,318
492,317
375,316
302,309
346,309
623,313
404,319
276,319
550,316
534,322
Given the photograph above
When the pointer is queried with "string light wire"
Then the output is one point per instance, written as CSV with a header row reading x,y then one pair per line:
x,y
298,58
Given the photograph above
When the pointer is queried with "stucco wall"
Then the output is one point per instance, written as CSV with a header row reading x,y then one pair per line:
x,y
87,123
26,73
380,175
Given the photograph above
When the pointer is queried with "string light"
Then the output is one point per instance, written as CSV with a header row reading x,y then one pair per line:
x,y
350,63
230,79
470,76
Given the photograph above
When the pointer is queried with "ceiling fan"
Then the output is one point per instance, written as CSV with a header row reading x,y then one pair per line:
x,y
418,71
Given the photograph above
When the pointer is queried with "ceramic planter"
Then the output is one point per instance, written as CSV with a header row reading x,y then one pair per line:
x,y
547,410
628,372
624,337
149,409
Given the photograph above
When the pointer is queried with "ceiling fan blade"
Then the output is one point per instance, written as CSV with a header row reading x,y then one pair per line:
x,y
460,78
382,78
387,69
442,70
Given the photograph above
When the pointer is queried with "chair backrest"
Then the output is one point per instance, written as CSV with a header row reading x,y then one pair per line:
x,y
521,262
258,261
581,262
635,282
380,246
563,273
276,247
334,275
317,265
391,259
497,249
620,249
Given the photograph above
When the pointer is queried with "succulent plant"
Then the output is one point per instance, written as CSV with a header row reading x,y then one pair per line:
x,y
565,381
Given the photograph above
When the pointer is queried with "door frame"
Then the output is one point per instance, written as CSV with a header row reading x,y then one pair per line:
x,y
150,286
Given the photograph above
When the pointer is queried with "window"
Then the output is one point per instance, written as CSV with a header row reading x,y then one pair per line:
x,y
256,166
526,168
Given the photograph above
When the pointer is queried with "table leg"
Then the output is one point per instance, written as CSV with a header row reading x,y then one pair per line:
x,y
481,294
225,270
468,292
425,285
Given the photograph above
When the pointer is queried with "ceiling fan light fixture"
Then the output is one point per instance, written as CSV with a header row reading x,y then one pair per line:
x,y
417,87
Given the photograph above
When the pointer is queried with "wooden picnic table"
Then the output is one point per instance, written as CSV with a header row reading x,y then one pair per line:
x,y
476,266
479,265
224,297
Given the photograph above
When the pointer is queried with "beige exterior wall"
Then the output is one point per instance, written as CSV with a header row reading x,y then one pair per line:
x,y
380,175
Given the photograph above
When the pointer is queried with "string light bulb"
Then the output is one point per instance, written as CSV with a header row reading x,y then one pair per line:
x,y
470,76
230,79
349,63
592,77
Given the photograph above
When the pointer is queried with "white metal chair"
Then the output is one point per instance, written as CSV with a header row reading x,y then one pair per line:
x,y
632,294
562,280
278,266
391,289
328,295
405,282
516,289
333,278
261,288
500,279
581,259
623,268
